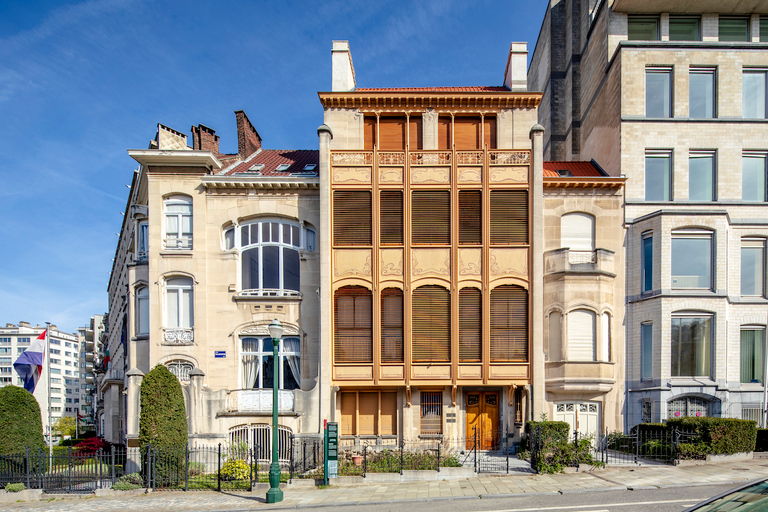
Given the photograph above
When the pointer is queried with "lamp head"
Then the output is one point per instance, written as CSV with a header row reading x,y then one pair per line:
x,y
275,329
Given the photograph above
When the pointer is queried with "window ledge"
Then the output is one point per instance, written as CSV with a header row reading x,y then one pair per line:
x,y
691,381
140,337
184,253
264,295
430,436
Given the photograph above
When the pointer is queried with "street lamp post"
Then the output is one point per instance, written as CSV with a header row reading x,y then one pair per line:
x,y
275,494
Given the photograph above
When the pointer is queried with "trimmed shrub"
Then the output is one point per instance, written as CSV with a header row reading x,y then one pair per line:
x,y
718,436
15,487
163,419
91,446
761,443
551,431
128,482
21,424
557,452
235,469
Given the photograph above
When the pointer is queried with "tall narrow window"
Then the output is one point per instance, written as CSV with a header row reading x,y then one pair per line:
x,y
555,353
684,28
392,325
733,28
752,347
178,222
431,217
431,324
647,257
763,29
646,351
179,306
753,267
431,412
391,219
369,132
581,335
643,28
489,129
701,93
753,177
353,321
444,132
701,176
470,325
509,217
658,92
605,345
658,176
415,133
142,310
470,217
577,233
391,133
509,323
691,342
753,94
142,247
352,217
692,259
466,132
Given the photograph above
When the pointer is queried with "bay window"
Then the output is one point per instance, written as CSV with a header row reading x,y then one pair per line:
x,y
691,346
692,259
270,257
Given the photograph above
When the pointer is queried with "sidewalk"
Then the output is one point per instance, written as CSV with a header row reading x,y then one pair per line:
x,y
624,478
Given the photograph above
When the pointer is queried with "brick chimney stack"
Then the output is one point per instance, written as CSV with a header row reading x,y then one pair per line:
x,y
205,138
248,139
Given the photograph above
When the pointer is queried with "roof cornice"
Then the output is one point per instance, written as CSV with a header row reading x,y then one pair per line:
x,y
175,158
421,100
248,182
584,182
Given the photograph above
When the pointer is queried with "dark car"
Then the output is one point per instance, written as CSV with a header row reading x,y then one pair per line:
x,y
752,497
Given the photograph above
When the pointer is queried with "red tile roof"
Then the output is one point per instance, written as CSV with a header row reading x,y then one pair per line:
x,y
480,88
578,169
271,158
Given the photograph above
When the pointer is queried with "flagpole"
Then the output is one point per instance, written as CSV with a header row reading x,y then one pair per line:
x,y
48,364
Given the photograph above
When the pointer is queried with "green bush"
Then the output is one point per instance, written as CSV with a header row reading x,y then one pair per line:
x,y
128,482
21,424
163,419
718,436
15,487
556,451
761,443
235,469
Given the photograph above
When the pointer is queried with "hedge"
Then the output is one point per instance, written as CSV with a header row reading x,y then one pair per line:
x,y
21,424
551,431
715,436
163,419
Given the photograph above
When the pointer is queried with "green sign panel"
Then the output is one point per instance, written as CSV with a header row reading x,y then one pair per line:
x,y
333,441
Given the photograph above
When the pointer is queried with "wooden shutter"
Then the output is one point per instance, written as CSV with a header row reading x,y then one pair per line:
x,y
470,325
431,329
415,133
509,217
392,325
581,335
369,132
509,323
430,217
443,133
368,414
388,426
470,217
352,217
353,336
348,414
391,133
466,132
391,218
489,136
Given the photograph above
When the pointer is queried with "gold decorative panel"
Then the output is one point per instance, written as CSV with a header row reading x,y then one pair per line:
x,y
390,174
509,174
426,262
470,174
509,372
352,175
470,262
509,262
470,372
391,263
430,372
352,262
441,175
353,372
393,372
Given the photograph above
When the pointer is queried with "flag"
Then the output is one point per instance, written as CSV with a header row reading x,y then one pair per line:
x,y
29,365
81,418
106,361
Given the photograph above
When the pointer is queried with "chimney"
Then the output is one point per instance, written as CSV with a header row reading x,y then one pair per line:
x,y
205,138
516,74
342,70
248,139
168,138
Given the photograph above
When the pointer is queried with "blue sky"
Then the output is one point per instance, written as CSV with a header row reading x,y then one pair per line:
x,y
82,82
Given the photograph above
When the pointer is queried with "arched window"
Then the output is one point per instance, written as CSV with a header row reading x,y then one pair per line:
x,y
179,308
180,368
258,363
353,325
270,257
178,223
431,324
509,323
392,325
577,232
142,310
581,335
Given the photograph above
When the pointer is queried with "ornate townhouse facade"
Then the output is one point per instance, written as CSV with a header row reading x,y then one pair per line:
x,y
672,95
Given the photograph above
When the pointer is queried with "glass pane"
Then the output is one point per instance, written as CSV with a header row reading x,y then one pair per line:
x,y
251,269
172,309
143,236
267,347
643,29
229,238
244,238
311,240
289,381
701,178
171,226
295,239
752,269
692,262
290,269
734,29
254,233
647,264
186,224
753,178
683,29
143,314
657,178
275,231
267,371
287,234
186,308
271,270
691,347
764,30
701,97
753,95
646,351
265,233
751,356
657,93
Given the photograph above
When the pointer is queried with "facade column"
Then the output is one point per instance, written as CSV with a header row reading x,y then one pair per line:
x,y
195,400
325,135
538,405
133,459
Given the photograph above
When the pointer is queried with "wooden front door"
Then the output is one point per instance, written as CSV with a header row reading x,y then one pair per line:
x,y
483,419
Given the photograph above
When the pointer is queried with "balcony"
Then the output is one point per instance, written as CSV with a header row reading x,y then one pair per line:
x,y
259,400
580,376
268,292
177,243
89,357
559,261
179,336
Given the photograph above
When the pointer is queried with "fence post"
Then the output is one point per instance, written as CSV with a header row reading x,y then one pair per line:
x,y
365,460
290,468
474,448
26,466
69,468
186,467
676,435
506,448
218,471
402,451
438,457
99,457
112,462
637,442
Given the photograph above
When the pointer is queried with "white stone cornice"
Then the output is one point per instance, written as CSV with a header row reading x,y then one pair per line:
x,y
158,157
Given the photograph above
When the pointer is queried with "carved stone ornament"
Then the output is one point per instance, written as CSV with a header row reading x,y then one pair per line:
x,y
352,175
261,330
179,336
362,158
431,261
259,400
431,174
351,262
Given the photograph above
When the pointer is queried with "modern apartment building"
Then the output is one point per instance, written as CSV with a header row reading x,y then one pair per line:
x,y
88,339
672,95
64,398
